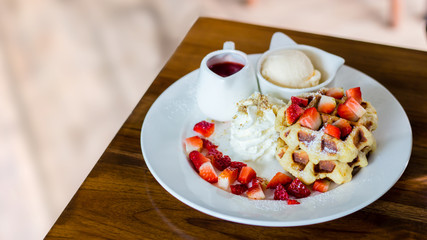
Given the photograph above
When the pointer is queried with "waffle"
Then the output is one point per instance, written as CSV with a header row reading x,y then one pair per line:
x,y
312,154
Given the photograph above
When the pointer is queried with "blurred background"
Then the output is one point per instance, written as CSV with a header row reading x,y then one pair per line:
x,y
72,71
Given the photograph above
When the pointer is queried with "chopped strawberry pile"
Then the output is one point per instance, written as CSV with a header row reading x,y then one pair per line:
x,y
240,179
345,104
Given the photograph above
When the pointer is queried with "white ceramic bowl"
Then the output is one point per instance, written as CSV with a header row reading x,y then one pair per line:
x,y
327,63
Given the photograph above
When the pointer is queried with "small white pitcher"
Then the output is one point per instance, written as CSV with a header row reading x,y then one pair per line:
x,y
217,96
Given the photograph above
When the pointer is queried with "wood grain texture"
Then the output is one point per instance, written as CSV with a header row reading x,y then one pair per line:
x,y
120,199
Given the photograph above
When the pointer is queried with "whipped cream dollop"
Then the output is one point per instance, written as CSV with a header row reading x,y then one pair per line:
x,y
252,133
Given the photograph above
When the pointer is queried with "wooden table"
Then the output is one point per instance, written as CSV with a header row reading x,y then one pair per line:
x,y
120,199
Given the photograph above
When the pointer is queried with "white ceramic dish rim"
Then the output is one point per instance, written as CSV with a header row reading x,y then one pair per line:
x,y
207,193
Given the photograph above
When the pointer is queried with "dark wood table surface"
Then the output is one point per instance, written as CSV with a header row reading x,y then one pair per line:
x,y
120,199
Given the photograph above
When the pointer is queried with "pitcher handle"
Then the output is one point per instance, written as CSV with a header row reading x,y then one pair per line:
x,y
228,45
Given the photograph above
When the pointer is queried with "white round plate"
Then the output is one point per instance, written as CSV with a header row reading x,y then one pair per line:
x,y
174,113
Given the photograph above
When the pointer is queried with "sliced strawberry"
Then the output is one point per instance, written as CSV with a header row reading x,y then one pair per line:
x,y
238,188
204,128
219,160
292,202
238,165
198,159
354,93
336,93
227,177
207,172
280,193
222,163
213,154
260,180
298,189
302,102
246,174
193,144
344,126
333,131
345,112
355,107
279,178
208,145
293,112
321,185
311,119
255,192
326,104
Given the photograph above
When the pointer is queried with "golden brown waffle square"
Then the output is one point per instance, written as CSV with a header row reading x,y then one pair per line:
x,y
312,154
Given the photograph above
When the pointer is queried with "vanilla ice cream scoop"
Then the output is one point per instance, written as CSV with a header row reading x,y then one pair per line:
x,y
290,68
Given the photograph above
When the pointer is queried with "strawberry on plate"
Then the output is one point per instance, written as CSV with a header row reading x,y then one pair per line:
x,y
354,93
293,112
292,202
208,145
280,193
255,192
335,92
344,127
279,178
219,161
204,128
198,159
355,107
298,189
302,102
321,185
345,112
333,131
326,104
311,119
207,172
194,143
238,165
246,175
214,153
222,163
227,177
238,189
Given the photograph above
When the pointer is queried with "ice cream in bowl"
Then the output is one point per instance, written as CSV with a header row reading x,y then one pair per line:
x,y
292,69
